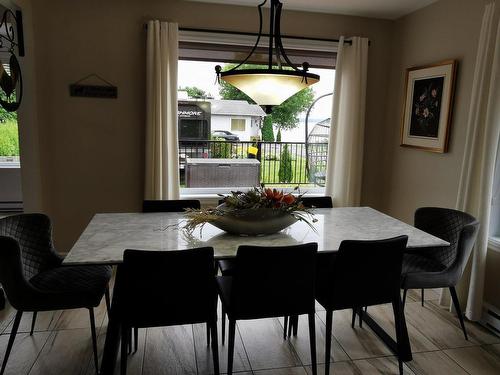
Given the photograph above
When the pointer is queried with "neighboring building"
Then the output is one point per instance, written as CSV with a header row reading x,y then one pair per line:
x,y
237,116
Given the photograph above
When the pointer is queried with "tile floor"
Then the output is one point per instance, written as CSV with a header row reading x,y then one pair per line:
x,y
62,345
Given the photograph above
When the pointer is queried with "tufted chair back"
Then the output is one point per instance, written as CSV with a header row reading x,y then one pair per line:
x,y
33,233
448,225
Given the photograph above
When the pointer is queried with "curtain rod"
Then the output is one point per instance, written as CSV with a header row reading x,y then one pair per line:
x,y
256,34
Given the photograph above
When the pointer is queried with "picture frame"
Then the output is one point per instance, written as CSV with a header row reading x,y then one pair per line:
x,y
428,106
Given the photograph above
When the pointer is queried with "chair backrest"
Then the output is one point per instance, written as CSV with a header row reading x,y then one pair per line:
x,y
157,288
273,281
456,227
173,205
318,202
364,273
33,233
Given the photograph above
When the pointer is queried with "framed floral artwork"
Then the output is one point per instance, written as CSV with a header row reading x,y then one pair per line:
x,y
428,106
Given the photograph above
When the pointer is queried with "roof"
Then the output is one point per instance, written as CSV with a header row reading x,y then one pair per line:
x,y
235,107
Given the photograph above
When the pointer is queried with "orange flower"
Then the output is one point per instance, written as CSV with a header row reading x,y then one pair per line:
x,y
289,199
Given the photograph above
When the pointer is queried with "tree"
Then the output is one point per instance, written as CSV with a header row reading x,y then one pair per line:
x,y
195,92
267,130
285,173
278,135
284,116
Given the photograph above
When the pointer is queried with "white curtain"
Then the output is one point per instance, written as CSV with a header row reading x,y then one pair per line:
x,y
162,160
483,131
345,153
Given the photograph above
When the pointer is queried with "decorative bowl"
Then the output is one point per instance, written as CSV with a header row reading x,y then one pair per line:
x,y
253,222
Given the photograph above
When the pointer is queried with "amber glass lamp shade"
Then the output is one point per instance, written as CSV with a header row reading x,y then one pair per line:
x,y
269,87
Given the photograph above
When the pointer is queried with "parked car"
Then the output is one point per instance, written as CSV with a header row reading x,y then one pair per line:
x,y
227,135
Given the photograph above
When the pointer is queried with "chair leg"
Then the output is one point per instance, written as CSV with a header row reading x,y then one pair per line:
x,y
33,321
94,339
422,297
215,345
312,341
223,318
12,337
328,337
456,303
399,322
285,326
290,326
208,333
108,299
136,338
129,340
353,318
360,312
230,349
295,324
404,297
124,349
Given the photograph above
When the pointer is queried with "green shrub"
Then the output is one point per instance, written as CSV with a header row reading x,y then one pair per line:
x,y
285,173
220,149
9,139
267,130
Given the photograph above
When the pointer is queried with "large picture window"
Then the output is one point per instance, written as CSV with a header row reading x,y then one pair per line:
x,y
287,149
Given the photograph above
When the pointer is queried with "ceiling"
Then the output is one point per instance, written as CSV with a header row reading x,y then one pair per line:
x,y
386,9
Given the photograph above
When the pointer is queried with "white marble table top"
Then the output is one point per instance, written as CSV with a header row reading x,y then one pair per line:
x,y
108,235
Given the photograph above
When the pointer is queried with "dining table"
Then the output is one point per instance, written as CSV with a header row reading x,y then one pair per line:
x,y
108,235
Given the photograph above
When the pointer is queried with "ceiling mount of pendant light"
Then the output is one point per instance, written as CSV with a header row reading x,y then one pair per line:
x,y
270,86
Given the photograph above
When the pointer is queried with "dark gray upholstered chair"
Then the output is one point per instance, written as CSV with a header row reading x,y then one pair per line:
x,y
270,282
166,205
164,288
169,205
34,279
361,273
226,266
440,267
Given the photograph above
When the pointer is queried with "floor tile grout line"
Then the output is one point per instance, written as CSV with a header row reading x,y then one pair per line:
x,y
458,364
244,348
40,352
144,352
194,348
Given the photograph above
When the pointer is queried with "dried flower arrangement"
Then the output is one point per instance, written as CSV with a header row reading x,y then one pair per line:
x,y
239,203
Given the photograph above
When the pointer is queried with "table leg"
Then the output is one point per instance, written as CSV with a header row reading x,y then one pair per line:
x,y
404,347
111,345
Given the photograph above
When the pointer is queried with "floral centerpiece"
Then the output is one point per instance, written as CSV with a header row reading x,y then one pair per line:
x,y
258,211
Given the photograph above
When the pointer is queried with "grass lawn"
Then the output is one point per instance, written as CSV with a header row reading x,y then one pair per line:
x,y
9,139
269,172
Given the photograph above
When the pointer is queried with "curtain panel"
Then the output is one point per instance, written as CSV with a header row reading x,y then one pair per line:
x,y
483,132
345,154
162,146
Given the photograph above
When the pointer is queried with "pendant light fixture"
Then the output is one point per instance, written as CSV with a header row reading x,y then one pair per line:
x,y
272,85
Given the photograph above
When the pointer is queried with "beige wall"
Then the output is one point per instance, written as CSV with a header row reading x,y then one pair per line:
x,y
92,149
448,29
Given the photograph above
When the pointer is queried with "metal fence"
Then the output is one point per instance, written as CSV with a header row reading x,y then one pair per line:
x,y
281,163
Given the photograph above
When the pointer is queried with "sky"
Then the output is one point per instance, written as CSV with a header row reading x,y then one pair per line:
x,y
202,75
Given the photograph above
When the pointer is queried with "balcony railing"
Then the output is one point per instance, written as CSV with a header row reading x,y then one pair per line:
x,y
281,163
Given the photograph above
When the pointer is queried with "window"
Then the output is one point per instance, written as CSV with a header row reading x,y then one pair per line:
x,y
237,125
287,155
495,207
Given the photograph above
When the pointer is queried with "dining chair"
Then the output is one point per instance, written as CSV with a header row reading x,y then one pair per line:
x,y
169,205
226,266
165,288
270,282
34,279
440,267
166,205
361,273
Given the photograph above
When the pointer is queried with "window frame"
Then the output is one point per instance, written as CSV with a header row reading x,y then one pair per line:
x,y
203,39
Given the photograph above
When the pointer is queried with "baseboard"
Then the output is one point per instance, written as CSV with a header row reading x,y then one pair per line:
x,y
491,318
